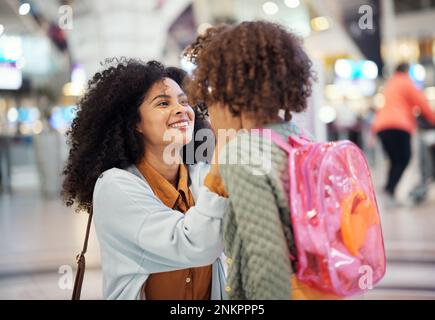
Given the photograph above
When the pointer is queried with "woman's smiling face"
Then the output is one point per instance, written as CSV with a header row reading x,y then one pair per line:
x,y
166,116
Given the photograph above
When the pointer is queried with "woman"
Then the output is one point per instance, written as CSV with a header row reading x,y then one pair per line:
x,y
396,122
248,75
158,226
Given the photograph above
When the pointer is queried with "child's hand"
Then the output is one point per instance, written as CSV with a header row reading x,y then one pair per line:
x,y
214,168
221,141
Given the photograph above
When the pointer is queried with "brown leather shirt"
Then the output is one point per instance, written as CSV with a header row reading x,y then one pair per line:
x,y
185,284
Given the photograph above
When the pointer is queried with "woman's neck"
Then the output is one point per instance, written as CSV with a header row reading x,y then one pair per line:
x,y
168,170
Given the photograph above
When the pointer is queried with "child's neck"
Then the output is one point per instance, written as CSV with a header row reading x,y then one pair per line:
x,y
250,122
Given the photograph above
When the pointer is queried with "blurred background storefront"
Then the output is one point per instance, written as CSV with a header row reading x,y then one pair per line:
x,y
50,48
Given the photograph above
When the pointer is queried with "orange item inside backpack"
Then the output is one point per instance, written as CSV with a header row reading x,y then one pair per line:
x,y
358,214
302,291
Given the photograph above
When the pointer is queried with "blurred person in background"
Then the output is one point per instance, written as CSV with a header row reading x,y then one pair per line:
x,y
159,224
395,122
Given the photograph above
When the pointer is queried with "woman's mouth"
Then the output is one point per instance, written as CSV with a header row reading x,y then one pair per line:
x,y
179,125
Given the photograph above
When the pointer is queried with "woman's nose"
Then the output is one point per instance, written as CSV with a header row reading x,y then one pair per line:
x,y
180,109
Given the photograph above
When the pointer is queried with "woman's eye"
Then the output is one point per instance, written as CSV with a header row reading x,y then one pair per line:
x,y
163,104
184,102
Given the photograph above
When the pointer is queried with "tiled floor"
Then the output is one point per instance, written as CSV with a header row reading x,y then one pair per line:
x,y
39,239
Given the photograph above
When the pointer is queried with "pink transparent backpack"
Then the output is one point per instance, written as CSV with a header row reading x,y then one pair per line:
x,y
334,214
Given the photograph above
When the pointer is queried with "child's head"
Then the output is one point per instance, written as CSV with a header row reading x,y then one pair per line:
x,y
251,69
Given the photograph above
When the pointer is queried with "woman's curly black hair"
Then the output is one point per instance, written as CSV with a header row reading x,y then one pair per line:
x,y
103,135
256,66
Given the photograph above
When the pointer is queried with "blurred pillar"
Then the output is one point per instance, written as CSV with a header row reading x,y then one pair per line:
x,y
112,28
362,23
309,120
201,12
388,34
5,164
48,147
336,40
216,12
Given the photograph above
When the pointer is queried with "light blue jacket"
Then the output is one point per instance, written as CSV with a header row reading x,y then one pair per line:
x,y
139,235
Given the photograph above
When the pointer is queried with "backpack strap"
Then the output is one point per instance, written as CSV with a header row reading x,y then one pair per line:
x,y
286,145
81,263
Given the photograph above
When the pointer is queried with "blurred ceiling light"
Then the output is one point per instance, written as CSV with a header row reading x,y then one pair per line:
x,y
11,78
343,68
405,50
24,9
34,114
72,89
12,115
202,28
370,70
327,114
320,24
2,28
37,127
418,72
78,75
12,48
292,3
270,8
25,129
430,93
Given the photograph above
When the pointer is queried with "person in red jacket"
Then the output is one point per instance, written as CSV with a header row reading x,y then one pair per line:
x,y
396,122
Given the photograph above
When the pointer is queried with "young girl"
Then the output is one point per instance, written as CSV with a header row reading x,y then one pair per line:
x,y
248,75
158,225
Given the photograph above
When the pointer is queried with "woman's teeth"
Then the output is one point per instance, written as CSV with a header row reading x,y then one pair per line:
x,y
180,124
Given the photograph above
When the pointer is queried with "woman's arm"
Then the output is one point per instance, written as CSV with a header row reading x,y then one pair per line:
x,y
134,219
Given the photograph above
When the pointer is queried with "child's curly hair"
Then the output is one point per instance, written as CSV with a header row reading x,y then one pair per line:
x,y
256,67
